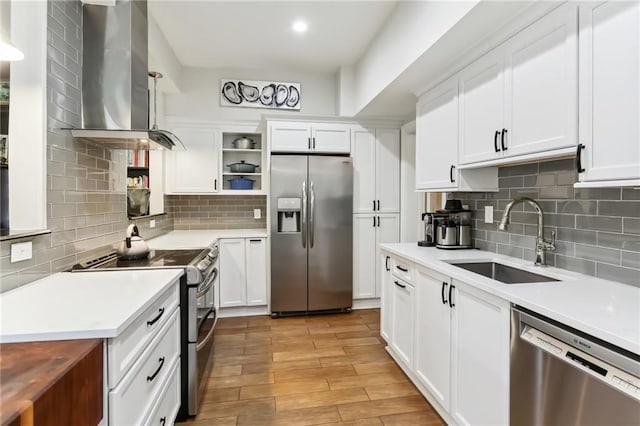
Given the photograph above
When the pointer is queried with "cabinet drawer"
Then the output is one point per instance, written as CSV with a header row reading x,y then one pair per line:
x,y
402,269
125,349
132,398
165,409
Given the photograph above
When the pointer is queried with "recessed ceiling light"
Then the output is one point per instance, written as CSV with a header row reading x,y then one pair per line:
x,y
299,26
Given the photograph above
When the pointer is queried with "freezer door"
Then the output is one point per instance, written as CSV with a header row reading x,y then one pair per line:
x,y
288,255
330,232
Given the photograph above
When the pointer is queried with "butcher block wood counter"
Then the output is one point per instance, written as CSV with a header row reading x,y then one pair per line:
x,y
51,383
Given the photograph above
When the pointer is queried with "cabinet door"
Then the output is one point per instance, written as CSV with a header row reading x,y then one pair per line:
x,y
480,370
256,252
364,255
540,72
437,137
387,174
364,170
482,108
387,231
290,137
331,138
386,288
610,90
233,284
433,338
402,321
197,168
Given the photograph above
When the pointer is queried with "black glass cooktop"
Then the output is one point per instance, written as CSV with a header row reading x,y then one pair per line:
x,y
156,259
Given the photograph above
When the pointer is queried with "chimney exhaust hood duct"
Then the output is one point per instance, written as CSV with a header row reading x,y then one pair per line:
x,y
115,102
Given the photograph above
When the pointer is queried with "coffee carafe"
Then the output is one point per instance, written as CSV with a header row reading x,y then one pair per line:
x,y
430,222
447,233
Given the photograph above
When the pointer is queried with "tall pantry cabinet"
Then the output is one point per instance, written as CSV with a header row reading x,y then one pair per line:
x,y
376,203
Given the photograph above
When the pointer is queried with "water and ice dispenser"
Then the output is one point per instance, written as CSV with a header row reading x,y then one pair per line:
x,y
289,210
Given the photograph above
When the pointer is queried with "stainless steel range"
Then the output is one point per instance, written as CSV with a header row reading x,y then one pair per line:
x,y
198,314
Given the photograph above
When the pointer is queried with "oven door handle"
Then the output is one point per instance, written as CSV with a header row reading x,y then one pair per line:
x,y
206,289
210,334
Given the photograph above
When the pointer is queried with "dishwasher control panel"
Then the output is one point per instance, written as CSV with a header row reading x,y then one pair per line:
x,y
609,374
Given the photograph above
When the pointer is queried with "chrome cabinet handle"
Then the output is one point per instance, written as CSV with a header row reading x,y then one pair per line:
x,y
155,320
304,215
153,376
312,208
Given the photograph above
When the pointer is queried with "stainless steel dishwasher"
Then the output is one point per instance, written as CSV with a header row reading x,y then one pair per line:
x,y
560,376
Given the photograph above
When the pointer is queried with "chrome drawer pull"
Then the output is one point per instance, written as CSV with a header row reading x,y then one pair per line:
x,y
153,376
155,320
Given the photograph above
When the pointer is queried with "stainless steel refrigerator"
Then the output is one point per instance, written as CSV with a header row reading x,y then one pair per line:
x,y
311,233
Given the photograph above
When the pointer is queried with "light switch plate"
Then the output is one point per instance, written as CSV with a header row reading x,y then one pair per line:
x,y
488,214
257,214
21,251
152,223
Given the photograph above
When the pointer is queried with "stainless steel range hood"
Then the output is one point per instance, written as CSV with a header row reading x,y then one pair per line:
x,y
115,102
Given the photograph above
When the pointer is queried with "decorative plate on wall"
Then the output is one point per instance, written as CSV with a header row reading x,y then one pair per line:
x,y
260,94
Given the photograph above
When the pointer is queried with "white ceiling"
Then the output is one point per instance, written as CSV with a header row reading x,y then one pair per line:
x,y
258,35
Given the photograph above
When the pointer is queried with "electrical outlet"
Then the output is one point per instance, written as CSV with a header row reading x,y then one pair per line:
x,y
257,214
152,223
488,214
21,251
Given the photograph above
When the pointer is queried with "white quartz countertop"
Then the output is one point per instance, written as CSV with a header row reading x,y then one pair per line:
x,y
78,305
605,309
201,239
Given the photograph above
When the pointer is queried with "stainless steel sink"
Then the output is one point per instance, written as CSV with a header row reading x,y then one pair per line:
x,y
503,273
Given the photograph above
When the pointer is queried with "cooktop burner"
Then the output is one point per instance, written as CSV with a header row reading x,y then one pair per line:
x,y
156,259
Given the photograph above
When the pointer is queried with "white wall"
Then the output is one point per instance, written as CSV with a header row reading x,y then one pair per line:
x,y
200,96
410,31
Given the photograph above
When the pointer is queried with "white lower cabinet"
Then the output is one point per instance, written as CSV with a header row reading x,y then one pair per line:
x,y
480,363
433,334
143,381
403,305
386,307
453,342
243,272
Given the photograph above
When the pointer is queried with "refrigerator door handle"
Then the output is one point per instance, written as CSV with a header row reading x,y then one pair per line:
x,y
312,208
303,230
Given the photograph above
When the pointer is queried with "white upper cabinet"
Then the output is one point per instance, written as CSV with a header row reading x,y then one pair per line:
x,y
376,162
482,108
196,170
437,137
295,136
521,98
609,94
437,145
540,75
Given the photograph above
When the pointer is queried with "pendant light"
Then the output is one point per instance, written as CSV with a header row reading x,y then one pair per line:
x,y
8,52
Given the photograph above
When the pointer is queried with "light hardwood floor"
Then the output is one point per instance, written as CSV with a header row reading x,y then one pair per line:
x,y
315,370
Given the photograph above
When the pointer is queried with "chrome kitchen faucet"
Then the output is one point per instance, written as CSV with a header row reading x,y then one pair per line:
x,y
541,244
